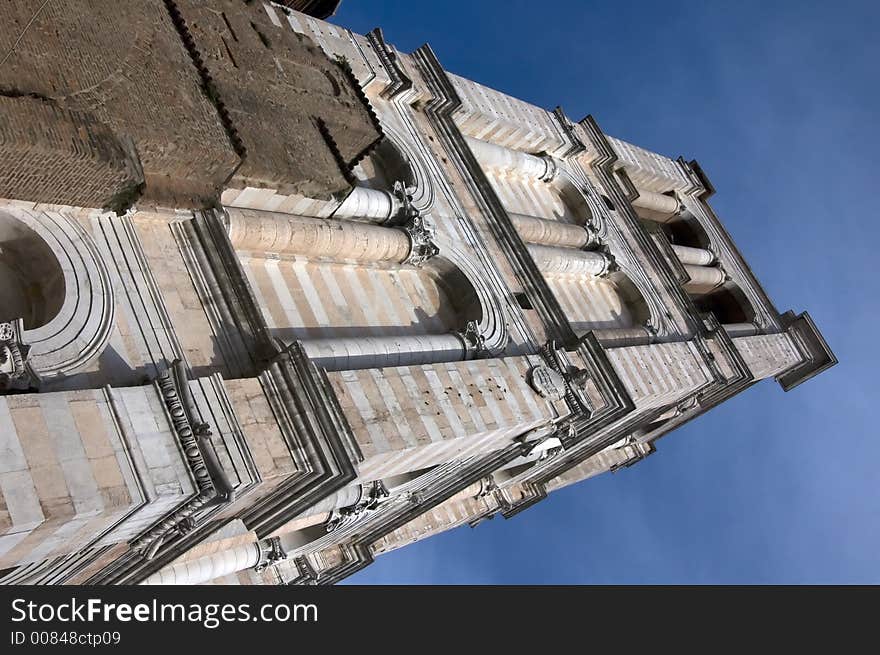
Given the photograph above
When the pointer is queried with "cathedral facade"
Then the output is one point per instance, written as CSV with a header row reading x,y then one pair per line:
x,y
276,298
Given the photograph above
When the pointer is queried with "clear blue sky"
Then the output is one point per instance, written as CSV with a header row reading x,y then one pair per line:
x,y
779,101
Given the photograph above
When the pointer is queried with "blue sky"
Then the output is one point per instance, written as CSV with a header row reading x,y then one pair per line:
x,y
778,102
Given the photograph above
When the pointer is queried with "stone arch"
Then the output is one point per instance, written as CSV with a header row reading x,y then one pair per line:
x,y
728,303
390,182
385,164
574,198
482,313
393,160
69,313
639,311
686,230
33,284
364,296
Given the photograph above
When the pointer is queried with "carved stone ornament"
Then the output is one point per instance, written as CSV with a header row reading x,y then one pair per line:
x,y
548,383
421,241
473,339
13,357
372,496
417,227
274,553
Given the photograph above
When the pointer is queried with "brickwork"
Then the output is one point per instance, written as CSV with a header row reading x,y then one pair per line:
x,y
290,107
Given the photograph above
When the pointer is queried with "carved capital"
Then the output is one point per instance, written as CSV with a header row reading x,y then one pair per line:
x,y
473,338
372,496
273,554
421,240
14,369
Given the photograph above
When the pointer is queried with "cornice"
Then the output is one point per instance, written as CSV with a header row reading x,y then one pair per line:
x,y
809,341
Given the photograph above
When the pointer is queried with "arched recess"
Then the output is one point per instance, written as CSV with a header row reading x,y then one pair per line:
x,y
391,161
387,174
366,296
483,315
728,303
686,231
61,288
612,302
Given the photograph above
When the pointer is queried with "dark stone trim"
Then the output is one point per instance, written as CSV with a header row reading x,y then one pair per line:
x,y
817,353
318,433
441,110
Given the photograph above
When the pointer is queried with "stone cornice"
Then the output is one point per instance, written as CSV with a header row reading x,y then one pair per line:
x,y
394,514
812,345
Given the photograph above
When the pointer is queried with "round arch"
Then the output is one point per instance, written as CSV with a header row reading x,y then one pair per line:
x,y
65,298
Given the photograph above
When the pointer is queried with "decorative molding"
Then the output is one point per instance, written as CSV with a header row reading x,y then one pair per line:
x,y
15,370
194,436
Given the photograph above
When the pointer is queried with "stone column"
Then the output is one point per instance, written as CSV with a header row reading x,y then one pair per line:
x,y
567,261
623,337
740,329
316,237
544,232
703,278
660,207
695,256
368,205
341,354
207,568
498,157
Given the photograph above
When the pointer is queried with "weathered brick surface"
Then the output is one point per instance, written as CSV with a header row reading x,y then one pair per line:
x,y
276,87
130,74
50,153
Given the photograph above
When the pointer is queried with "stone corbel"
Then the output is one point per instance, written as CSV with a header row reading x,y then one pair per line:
x,y
421,238
372,496
418,228
273,554
15,372
473,339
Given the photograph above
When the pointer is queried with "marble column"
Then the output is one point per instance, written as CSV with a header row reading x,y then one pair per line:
x,y
545,232
623,337
740,329
316,237
695,256
498,157
207,568
660,207
342,354
561,261
703,278
368,205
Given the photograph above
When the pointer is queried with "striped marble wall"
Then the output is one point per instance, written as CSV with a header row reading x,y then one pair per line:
x,y
590,303
77,462
601,462
410,417
445,516
648,170
768,354
304,299
659,374
533,198
497,117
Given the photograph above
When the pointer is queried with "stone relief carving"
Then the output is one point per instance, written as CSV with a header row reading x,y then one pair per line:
x,y
372,496
14,370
